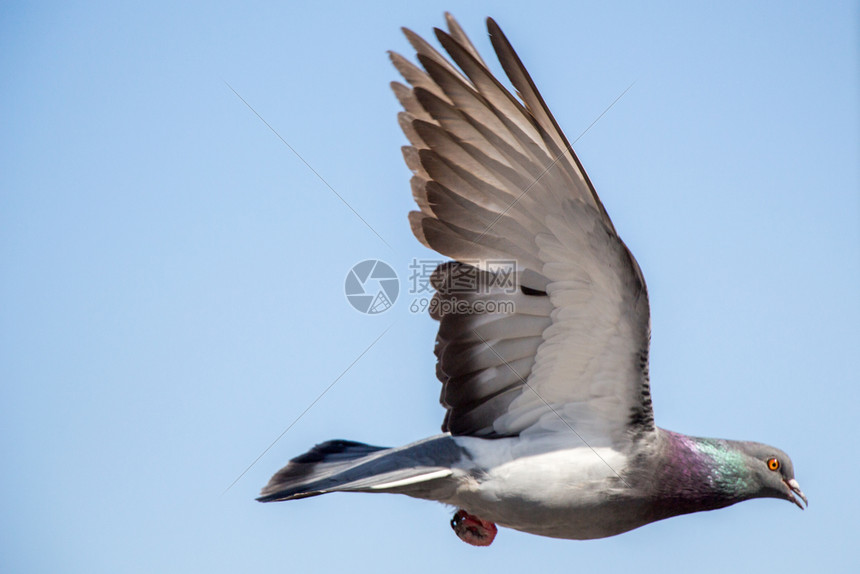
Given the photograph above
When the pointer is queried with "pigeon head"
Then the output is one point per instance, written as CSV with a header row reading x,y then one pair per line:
x,y
706,473
772,473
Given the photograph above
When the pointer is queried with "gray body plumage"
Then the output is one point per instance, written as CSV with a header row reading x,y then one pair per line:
x,y
549,426
553,491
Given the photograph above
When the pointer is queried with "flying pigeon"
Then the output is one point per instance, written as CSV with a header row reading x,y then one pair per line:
x,y
549,427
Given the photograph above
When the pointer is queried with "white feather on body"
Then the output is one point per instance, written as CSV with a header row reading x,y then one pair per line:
x,y
538,485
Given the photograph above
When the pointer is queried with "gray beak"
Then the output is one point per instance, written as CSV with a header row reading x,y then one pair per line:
x,y
794,488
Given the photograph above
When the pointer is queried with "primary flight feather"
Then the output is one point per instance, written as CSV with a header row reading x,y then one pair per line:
x,y
549,427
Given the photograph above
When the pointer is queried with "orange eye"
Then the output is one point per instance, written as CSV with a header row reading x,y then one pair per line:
x,y
773,463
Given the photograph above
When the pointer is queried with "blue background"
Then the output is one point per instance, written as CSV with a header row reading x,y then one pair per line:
x,y
172,275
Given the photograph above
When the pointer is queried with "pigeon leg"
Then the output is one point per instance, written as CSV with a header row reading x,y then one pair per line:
x,y
472,529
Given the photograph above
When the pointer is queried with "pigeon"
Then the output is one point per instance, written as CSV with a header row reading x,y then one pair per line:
x,y
544,333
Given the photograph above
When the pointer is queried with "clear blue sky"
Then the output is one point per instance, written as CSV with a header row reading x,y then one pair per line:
x,y
172,275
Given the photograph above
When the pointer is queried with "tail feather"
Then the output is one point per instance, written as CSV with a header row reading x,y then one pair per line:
x,y
341,465
314,467
333,451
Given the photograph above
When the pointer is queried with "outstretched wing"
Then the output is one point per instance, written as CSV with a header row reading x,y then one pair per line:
x,y
561,342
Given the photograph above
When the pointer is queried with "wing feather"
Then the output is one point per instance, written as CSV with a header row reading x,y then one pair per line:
x,y
558,340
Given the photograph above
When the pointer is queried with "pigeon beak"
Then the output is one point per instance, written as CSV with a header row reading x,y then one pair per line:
x,y
793,489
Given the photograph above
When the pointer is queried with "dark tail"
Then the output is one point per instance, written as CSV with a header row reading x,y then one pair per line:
x,y
347,466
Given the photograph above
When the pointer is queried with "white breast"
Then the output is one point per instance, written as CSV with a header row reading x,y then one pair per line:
x,y
536,485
